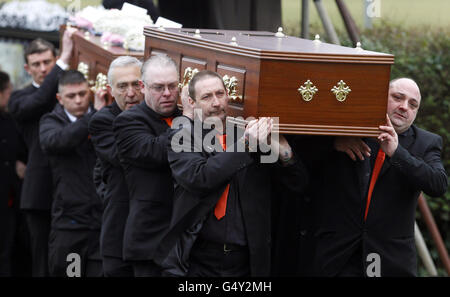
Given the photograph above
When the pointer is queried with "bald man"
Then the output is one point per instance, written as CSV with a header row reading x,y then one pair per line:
x,y
366,205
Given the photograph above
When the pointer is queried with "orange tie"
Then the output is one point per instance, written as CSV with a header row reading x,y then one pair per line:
x,y
168,121
376,171
221,206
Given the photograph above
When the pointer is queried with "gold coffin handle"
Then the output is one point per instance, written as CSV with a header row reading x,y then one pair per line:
x,y
100,82
341,91
188,74
307,90
84,69
231,84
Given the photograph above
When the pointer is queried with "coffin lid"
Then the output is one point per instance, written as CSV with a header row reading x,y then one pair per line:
x,y
265,45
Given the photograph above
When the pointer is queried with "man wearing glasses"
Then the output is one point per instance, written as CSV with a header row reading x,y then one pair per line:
x,y
125,87
142,139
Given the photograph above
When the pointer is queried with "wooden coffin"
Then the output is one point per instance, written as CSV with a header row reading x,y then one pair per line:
x,y
92,58
313,87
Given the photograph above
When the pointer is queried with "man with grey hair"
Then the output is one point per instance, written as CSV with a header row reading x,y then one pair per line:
x,y
125,87
366,206
142,139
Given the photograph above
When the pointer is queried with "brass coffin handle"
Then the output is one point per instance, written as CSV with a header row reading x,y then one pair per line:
x,y
100,82
84,69
341,91
188,74
231,84
308,90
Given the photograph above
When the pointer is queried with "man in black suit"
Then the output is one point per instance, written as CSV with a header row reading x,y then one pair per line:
x,y
27,106
76,208
12,156
365,222
123,84
141,137
221,224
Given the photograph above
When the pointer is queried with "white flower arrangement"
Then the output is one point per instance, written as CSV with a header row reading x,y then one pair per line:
x,y
118,22
38,15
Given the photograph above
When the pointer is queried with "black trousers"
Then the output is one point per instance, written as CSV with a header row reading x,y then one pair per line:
x,y
72,251
38,223
212,260
7,232
116,267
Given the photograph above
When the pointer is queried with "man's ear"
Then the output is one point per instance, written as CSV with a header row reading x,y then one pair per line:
x,y
27,68
108,88
191,101
58,96
141,83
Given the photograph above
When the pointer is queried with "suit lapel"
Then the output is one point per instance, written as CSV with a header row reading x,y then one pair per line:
x,y
407,140
364,170
384,168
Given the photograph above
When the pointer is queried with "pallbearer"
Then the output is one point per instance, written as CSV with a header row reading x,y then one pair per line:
x,y
142,138
221,223
125,86
76,208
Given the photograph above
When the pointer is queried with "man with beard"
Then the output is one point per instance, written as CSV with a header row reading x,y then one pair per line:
x,y
142,138
76,208
221,224
27,107
125,87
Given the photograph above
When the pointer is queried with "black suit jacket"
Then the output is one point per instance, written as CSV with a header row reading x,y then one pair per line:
x,y
141,137
27,106
201,178
115,196
72,157
12,149
389,229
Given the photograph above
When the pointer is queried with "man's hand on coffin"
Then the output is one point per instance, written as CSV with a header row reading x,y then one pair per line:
x,y
265,126
388,138
20,169
250,135
188,108
100,98
284,150
67,44
353,146
258,132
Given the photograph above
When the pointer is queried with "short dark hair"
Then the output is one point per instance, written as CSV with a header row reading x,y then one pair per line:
x,y
4,81
71,77
38,46
200,76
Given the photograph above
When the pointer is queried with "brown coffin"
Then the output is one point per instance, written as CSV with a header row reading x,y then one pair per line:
x,y
270,70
